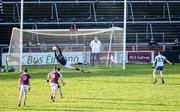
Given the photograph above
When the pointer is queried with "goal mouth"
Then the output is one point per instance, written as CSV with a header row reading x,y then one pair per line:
x,y
75,45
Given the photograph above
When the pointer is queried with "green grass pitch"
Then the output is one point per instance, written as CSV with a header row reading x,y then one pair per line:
x,y
103,90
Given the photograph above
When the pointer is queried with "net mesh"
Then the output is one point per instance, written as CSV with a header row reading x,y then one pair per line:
x,y
41,41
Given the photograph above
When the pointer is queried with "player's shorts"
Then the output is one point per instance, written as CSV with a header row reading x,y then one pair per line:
x,y
69,66
54,86
24,88
160,68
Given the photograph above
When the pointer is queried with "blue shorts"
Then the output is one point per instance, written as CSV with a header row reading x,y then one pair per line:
x,y
160,68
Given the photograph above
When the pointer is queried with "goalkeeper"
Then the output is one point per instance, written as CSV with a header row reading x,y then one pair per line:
x,y
60,58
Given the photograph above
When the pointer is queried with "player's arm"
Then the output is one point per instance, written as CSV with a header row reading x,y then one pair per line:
x,y
169,62
58,48
91,44
49,76
19,82
29,84
154,62
62,81
55,53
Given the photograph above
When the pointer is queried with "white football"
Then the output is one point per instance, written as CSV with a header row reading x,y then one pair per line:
x,y
54,48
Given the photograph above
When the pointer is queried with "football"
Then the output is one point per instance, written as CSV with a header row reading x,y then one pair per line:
x,y
54,48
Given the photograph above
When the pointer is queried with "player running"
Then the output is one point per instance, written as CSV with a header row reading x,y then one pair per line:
x,y
49,77
54,77
159,59
24,86
60,58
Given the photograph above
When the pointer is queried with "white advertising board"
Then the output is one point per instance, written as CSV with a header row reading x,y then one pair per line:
x,y
44,58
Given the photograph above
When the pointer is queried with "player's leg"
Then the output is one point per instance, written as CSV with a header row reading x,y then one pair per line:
x,y
52,91
79,69
60,91
26,88
98,57
20,96
80,63
162,76
92,58
76,68
154,76
53,94
70,66
25,97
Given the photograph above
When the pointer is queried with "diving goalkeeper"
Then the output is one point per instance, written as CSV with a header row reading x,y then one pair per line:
x,y
60,58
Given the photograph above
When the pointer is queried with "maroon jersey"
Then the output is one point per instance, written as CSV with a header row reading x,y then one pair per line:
x,y
54,77
25,79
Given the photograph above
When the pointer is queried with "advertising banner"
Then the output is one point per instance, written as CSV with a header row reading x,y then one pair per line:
x,y
118,57
139,57
43,58
104,57
115,57
74,57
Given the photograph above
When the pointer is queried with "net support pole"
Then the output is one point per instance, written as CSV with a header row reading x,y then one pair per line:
x,y
124,33
21,36
110,43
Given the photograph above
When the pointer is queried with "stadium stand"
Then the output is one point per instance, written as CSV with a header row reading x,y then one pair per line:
x,y
159,19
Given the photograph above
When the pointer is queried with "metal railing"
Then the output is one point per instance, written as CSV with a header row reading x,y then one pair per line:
x,y
99,1
54,10
84,48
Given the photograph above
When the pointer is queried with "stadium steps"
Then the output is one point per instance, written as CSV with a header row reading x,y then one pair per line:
x,y
105,12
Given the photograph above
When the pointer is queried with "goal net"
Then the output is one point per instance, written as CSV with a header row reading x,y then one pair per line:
x,y
75,43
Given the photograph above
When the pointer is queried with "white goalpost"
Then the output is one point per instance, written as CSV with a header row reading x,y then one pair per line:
x,y
21,34
124,33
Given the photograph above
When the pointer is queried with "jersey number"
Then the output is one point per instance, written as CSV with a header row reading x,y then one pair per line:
x,y
53,76
160,60
24,78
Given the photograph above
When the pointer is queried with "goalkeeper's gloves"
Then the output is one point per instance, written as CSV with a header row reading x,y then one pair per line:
x,y
47,80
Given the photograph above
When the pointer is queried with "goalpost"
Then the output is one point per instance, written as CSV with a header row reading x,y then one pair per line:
x,y
16,49
74,43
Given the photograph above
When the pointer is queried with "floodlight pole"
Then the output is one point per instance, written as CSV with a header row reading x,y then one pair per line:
x,y
124,33
21,36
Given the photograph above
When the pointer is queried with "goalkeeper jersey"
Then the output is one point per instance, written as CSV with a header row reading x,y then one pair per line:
x,y
61,59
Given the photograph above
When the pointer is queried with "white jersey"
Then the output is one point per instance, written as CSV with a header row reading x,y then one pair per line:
x,y
95,46
160,60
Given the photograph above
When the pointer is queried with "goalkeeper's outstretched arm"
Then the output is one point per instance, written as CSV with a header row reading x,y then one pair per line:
x,y
59,50
56,55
